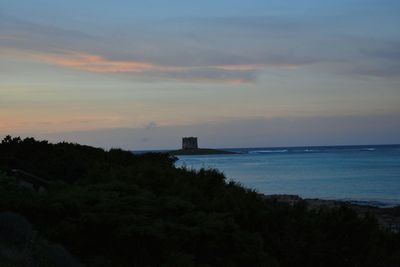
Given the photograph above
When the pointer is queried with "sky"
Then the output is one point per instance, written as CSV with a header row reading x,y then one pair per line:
x,y
142,74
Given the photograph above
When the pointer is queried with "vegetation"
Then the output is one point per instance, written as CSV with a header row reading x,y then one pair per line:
x,y
114,208
21,246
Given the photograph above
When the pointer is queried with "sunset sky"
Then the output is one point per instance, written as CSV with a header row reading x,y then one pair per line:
x,y
142,74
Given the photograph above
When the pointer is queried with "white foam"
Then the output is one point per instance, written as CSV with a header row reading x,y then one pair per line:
x,y
268,151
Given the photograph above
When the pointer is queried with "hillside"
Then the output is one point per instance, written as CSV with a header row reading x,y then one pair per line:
x,y
114,208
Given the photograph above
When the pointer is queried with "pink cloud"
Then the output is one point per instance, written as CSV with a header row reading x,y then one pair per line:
x,y
225,73
97,63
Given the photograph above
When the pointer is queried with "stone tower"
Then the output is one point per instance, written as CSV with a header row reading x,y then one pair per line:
x,y
189,143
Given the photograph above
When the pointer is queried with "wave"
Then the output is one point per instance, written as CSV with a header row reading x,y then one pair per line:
x,y
376,203
313,150
286,151
307,150
268,151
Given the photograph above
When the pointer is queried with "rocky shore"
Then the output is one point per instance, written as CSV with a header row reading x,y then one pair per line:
x,y
388,218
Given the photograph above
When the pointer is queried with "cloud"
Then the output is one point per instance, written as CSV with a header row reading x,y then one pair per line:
x,y
231,50
384,60
383,70
97,63
8,37
24,35
151,125
150,55
389,50
254,67
233,73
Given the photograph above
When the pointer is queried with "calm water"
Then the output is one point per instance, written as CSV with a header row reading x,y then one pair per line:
x,y
356,173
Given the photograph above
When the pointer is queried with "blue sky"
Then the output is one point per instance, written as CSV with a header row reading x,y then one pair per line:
x,y
74,70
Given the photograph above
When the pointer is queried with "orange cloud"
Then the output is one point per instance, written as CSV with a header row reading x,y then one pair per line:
x,y
100,64
96,63
227,73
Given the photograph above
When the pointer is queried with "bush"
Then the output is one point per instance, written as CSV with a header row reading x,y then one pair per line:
x,y
119,209
20,245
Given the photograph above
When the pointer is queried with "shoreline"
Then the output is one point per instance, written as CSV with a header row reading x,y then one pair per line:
x,y
387,217
200,151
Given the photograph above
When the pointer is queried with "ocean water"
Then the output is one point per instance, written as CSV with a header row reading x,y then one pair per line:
x,y
362,174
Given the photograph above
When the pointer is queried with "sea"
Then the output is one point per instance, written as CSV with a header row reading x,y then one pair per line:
x,y
360,174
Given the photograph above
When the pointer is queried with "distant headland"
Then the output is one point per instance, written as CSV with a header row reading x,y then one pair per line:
x,y
190,147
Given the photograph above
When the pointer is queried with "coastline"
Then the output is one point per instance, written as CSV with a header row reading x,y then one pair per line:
x,y
388,217
200,151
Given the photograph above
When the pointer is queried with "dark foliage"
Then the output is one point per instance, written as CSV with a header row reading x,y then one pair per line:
x,y
119,209
21,246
